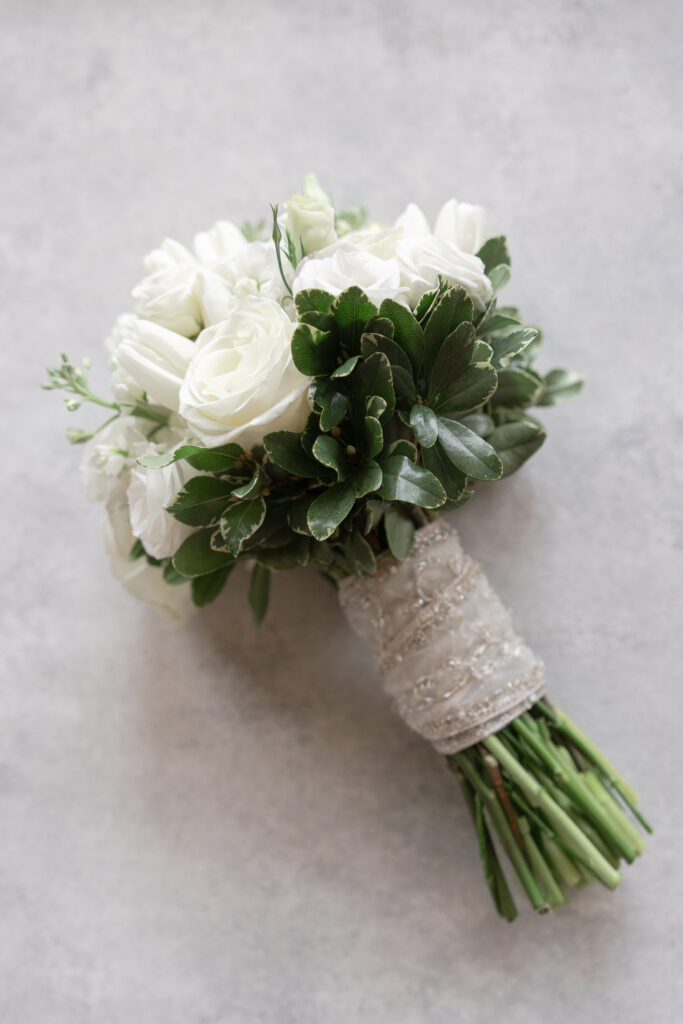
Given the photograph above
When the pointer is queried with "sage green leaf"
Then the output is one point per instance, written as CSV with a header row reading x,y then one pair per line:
x,y
171,574
407,331
402,480
402,447
206,589
241,521
474,387
371,343
452,309
451,479
285,449
359,554
202,501
424,425
509,343
482,352
259,590
330,508
137,551
346,368
259,480
196,557
333,402
330,452
292,555
352,309
499,277
210,460
516,441
493,253
372,377
517,388
312,300
503,318
367,478
322,554
296,516
371,440
479,422
314,352
374,510
400,531
376,407
468,452
559,386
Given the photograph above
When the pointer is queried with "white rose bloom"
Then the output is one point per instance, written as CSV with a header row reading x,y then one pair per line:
x,y
253,271
379,278
150,492
413,221
462,224
224,241
123,387
142,580
109,456
309,218
423,258
156,359
241,382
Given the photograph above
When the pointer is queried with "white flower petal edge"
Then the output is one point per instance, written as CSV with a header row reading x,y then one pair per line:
x,y
463,224
149,493
424,258
379,278
141,579
241,382
109,456
156,359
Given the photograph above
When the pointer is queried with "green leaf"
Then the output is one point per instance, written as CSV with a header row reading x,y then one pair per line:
x,y
367,478
330,509
292,555
400,530
402,480
509,343
371,439
517,388
452,360
312,300
206,589
240,522
479,422
374,510
482,352
474,387
259,591
559,386
372,378
352,309
493,253
285,449
196,557
296,516
346,368
380,325
171,574
424,425
202,501
516,441
371,343
453,308
452,480
259,480
468,452
333,402
314,352
359,554
211,460
499,277
402,447
329,452
407,331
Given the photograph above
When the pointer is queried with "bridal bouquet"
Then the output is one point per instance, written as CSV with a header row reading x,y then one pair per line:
x,y
319,397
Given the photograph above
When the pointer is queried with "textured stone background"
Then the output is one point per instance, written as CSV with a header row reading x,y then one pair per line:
x,y
215,826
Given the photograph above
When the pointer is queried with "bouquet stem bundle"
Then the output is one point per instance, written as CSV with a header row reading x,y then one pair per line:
x,y
555,806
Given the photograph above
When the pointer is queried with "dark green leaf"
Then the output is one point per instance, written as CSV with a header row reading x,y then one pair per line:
x,y
258,481
293,554
196,557
452,360
371,438
509,343
240,522
516,441
402,447
333,402
314,352
285,449
380,325
259,591
479,422
559,386
517,388
312,300
407,331
330,508
206,589
371,378
328,450
211,460
171,574
296,516
346,368
359,554
352,309
482,352
402,480
452,480
467,451
371,343
374,510
367,478
474,387
453,308
400,530
493,253
202,501
424,425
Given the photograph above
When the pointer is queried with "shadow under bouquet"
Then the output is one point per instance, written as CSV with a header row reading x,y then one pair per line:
x,y
319,397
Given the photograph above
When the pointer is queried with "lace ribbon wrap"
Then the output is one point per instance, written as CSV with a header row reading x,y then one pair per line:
x,y
443,642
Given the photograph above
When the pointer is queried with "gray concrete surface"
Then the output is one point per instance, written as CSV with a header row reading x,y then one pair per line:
x,y
215,826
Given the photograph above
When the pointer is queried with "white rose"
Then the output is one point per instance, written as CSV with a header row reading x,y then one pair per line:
x,y
109,456
309,218
150,492
379,278
123,387
463,224
253,271
424,258
141,579
413,221
156,359
241,382
224,241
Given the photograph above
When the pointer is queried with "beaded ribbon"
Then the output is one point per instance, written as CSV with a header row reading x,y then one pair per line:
x,y
443,642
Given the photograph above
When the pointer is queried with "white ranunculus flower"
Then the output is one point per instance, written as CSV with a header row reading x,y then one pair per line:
x,y
150,492
379,278
142,580
109,456
309,218
241,382
424,258
123,386
462,224
156,359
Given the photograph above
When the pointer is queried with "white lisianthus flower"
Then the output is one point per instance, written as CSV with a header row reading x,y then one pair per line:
x,y
253,271
424,258
141,579
156,359
309,218
379,278
241,382
462,224
109,456
149,493
413,221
